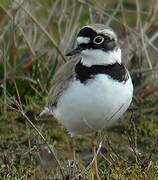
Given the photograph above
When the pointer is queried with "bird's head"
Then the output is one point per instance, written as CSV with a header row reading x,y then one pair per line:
x,y
97,44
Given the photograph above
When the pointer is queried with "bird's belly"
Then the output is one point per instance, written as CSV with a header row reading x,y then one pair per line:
x,y
94,105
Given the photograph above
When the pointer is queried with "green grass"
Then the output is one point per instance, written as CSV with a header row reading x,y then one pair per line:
x,y
33,40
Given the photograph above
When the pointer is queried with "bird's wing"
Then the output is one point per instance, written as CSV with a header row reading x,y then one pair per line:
x,y
61,81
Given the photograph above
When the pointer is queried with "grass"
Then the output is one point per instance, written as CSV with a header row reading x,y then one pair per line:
x,y
34,36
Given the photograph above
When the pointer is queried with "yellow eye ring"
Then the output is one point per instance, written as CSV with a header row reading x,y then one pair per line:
x,y
98,40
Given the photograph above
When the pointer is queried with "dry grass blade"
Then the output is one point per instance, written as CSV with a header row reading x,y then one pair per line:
x,y
152,14
90,164
110,19
42,29
20,110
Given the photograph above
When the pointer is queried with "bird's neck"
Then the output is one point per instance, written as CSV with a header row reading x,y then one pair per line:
x,y
115,71
90,57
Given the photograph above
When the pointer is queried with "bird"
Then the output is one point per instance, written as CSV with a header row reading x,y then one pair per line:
x,y
93,89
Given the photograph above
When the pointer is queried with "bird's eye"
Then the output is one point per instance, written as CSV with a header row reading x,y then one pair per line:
x,y
98,40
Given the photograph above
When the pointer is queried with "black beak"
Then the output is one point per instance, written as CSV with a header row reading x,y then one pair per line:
x,y
74,51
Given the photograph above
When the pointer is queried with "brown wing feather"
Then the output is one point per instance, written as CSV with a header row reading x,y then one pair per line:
x,y
61,81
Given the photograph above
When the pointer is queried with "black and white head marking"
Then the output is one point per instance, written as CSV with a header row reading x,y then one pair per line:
x,y
100,54
99,46
87,36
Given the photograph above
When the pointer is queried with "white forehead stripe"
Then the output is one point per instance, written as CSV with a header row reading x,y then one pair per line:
x,y
84,40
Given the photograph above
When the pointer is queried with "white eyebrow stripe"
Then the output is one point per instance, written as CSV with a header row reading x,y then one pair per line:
x,y
108,32
81,40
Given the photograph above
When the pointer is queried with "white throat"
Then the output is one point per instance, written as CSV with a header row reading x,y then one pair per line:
x,y
99,57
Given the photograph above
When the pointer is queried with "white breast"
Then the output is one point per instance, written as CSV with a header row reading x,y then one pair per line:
x,y
95,105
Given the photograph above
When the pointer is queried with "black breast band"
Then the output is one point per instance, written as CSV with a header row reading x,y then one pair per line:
x,y
116,71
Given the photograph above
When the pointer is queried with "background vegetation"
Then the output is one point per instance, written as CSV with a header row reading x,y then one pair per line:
x,y
34,36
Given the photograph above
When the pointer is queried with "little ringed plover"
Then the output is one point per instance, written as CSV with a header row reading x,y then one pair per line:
x,y
92,90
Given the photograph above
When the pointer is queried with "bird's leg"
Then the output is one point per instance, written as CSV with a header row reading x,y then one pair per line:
x,y
72,146
95,174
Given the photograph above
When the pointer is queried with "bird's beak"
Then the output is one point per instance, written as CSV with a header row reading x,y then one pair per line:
x,y
74,51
